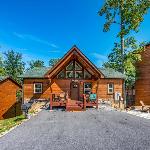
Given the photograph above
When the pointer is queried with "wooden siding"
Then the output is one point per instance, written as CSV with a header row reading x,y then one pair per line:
x,y
103,89
8,91
142,85
59,85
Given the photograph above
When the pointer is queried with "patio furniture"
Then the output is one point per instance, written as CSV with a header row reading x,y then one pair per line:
x,y
92,97
145,107
62,96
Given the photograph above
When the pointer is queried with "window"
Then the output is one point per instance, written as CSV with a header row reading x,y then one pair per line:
x,y
61,75
87,88
110,88
78,74
77,66
87,75
37,87
70,67
69,74
74,70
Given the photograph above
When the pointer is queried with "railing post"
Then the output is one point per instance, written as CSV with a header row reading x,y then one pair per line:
x,y
67,100
96,101
51,101
84,101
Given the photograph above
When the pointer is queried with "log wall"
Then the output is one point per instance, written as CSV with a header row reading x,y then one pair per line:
x,y
142,85
59,85
8,106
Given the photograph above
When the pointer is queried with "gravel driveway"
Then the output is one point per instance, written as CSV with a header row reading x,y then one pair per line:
x,y
92,129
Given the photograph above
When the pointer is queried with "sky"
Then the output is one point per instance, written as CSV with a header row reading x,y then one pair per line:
x,y
45,29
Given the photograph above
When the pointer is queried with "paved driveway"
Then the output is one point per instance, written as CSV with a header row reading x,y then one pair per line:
x,y
93,129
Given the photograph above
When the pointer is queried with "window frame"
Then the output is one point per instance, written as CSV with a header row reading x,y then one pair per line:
x,y
87,88
41,84
110,88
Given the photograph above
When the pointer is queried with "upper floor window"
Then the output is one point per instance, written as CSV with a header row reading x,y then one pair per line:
x,y
110,88
37,88
74,70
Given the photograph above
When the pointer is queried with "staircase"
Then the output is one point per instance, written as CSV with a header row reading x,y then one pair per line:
x,y
74,105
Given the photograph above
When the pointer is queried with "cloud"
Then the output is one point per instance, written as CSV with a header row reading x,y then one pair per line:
x,y
99,59
34,38
54,51
99,56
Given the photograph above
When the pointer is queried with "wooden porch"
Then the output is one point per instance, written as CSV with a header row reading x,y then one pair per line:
x,y
62,99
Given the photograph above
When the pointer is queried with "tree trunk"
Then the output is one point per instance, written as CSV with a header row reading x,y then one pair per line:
x,y
122,48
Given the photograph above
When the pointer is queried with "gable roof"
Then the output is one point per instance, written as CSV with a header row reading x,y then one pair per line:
x,y
37,72
4,78
43,72
111,73
74,52
40,72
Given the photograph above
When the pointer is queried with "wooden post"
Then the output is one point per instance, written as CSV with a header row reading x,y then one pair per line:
x,y
84,101
67,97
97,94
96,101
51,101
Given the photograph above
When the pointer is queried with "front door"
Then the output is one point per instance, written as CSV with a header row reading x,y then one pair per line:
x,y
74,91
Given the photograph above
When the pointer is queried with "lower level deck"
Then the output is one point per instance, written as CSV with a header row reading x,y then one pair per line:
x,y
73,105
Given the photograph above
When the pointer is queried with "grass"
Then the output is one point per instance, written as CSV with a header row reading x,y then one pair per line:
x,y
7,124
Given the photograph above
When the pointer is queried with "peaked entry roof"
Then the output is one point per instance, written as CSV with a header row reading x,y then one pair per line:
x,y
74,52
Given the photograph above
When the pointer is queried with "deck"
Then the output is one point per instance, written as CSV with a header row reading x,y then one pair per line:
x,y
72,105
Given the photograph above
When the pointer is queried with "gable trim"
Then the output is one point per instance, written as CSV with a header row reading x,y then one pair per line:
x,y
74,48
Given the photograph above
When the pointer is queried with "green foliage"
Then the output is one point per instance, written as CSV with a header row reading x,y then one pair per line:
x,y
131,56
53,61
2,71
13,64
19,96
129,13
7,124
36,63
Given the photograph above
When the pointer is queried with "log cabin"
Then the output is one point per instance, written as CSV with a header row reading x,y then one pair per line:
x,y
74,82
9,107
142,84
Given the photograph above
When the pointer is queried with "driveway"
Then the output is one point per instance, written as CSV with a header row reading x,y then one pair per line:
x,y
89,130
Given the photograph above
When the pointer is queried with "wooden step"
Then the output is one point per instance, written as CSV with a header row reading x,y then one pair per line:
x,y
74,109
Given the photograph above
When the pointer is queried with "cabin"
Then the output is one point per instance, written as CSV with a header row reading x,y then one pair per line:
x,y
9,107
142,85
74,83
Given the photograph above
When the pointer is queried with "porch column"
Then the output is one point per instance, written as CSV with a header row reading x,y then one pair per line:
x,y
84,102
51,101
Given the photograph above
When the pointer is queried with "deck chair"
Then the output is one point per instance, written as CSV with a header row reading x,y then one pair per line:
x,y
92,97
62,96
145,107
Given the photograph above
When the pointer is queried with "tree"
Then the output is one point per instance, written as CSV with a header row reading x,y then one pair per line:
x,y
36,63
53,61
126,13
131,56
2,71
13,64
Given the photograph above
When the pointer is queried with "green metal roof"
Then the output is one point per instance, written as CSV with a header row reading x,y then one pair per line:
x,y
37,72
111,73
40,72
